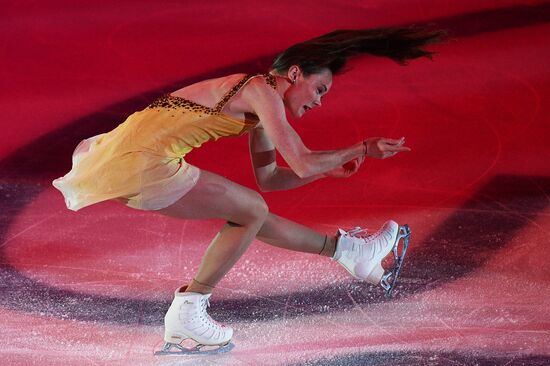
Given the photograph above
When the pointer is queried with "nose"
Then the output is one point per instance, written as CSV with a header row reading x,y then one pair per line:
x,y
317,102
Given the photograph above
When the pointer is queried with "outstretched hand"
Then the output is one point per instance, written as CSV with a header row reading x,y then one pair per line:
x,y
382,148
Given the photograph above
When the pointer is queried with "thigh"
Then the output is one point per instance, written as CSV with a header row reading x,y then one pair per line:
x,y
217,197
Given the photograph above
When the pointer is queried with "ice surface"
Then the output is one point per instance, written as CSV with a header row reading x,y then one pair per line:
x,y
91,288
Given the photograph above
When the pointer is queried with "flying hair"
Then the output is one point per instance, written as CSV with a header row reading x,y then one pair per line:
x,y
333,49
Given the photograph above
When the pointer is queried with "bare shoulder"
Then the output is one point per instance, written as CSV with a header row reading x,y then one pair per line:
x,y
261,85
217,83
260,94
207,92
227,82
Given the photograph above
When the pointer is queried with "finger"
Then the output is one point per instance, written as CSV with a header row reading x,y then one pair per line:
x,y
348,165
389,147
397,149
400,141
351,165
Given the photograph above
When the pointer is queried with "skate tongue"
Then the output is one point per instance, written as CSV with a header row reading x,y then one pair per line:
x,y
181,289
188,294
340,234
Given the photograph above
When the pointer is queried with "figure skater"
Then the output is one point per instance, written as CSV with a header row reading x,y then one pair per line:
x,y
141,163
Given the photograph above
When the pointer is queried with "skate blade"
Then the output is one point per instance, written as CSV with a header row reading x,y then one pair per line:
x,y
173,349
389,280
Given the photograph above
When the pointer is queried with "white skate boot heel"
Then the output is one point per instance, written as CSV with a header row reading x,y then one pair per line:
x,y
187,320
362,255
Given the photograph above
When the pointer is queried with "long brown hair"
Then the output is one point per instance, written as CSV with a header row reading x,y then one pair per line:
x,y
333,49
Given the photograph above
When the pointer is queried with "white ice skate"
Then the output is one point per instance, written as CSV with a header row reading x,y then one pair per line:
x,y
186,320
361,255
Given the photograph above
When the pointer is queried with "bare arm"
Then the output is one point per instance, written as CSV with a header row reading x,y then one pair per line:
x,y
268,106
269,176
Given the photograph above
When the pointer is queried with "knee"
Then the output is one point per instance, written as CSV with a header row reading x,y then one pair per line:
x,y
258,209
254,212
262,210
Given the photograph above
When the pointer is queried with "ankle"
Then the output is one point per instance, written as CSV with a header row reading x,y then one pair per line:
x,y
198,287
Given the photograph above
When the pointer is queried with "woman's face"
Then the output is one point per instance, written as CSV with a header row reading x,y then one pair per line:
x,y
306,92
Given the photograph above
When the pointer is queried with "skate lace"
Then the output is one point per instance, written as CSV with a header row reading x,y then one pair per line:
x,y
357,248
207,319
358,232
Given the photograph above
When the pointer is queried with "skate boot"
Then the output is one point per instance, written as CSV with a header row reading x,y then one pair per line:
x,y
362,255
187,319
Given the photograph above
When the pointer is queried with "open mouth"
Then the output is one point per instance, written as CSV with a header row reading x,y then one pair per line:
x,y
306,108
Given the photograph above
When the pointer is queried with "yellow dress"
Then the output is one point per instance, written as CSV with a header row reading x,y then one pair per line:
x,y
142,160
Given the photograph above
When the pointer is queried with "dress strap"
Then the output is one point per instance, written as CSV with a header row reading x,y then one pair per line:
x,y
269,79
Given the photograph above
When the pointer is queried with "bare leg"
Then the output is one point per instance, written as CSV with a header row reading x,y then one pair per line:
x,y
248,217
283,233
216,197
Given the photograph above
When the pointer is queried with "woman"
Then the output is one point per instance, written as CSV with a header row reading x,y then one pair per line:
x,y
141,163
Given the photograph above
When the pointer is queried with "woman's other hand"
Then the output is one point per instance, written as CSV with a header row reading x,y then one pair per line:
x,y
346,170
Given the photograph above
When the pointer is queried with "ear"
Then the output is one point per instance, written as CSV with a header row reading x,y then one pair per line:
x,y
293,73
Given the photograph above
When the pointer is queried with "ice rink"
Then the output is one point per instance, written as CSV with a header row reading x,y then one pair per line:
x,y
91,287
